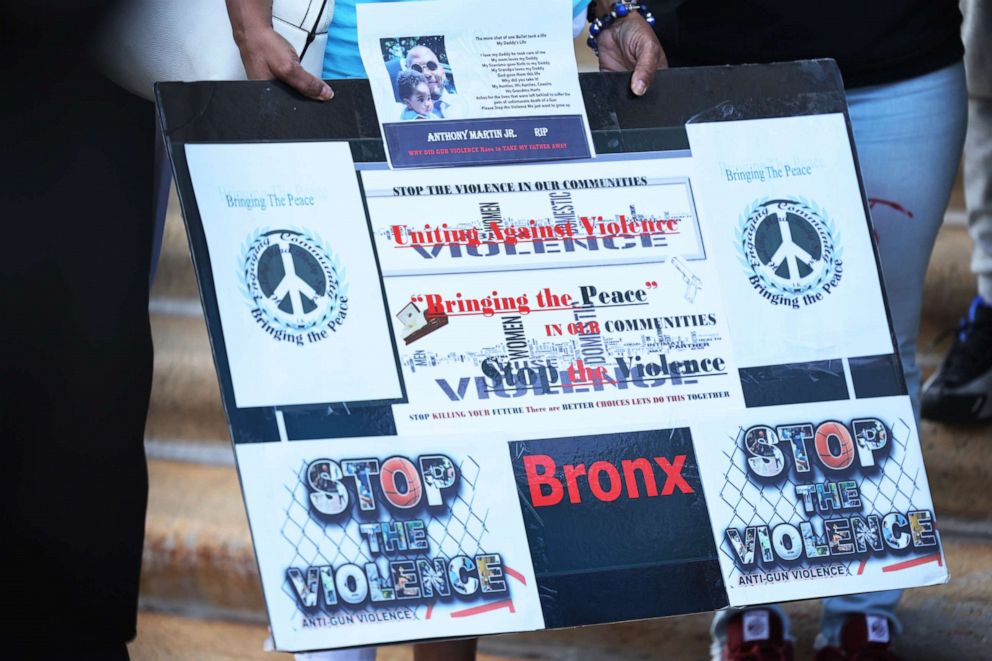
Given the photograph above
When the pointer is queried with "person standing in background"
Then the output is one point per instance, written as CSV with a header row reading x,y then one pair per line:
x,y
960,391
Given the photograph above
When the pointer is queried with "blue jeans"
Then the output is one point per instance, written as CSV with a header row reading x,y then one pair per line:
x,y
909,137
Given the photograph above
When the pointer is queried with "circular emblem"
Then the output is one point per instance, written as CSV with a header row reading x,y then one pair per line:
x,y
790,250
294,284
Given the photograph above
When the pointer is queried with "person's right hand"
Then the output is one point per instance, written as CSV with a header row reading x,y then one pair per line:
x,y
630,44
267,55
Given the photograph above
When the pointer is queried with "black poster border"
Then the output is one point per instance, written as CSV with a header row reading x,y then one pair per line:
x,y
214,112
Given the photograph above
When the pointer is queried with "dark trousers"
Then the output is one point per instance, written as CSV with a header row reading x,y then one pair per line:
x,y
76,161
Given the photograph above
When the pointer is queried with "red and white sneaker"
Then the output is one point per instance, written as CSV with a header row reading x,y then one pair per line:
x,y
863,638
756,635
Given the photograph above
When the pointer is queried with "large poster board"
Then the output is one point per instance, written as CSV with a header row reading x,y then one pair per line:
x,y
507,398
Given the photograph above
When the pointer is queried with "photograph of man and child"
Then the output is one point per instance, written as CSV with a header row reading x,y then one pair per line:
x,y
422,82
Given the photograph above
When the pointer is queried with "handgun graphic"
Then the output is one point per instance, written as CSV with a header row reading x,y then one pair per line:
x,y
417,324
692,281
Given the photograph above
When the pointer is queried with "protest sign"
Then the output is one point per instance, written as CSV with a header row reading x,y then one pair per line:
x,y
658,383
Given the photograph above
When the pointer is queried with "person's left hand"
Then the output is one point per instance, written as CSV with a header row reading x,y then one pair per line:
x,y
631,44
267,55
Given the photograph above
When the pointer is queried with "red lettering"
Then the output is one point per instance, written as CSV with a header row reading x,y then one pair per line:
x,y
536,481
647,474
606,481
596,486
572,472
673,475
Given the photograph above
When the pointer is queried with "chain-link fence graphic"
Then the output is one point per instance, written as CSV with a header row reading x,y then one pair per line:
x,y
460,530
894,488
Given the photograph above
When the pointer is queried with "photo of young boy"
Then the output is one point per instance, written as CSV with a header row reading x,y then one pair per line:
x,y
415,95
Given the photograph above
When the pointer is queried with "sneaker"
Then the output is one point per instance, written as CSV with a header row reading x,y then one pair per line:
x,y
961,389
863,638
756,635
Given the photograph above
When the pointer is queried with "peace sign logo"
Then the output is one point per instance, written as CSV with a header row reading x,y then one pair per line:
x,y
791,250
294,284
291,279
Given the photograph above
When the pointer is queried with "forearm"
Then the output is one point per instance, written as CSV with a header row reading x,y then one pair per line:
x,y
249,16
265,53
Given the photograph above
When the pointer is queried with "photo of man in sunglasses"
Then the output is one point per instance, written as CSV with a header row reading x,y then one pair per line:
x,y
424,60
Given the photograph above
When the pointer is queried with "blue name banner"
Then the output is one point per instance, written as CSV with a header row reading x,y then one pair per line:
x,y
488,141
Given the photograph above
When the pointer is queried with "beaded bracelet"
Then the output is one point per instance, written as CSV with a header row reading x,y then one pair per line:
x,y
619,10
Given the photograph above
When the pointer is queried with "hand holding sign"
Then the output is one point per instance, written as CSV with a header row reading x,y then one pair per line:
x,y
266,54
630,44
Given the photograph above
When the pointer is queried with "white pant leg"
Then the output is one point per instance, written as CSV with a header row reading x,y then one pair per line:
x,y
977,34
978,189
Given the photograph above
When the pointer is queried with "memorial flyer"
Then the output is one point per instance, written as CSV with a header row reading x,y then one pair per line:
x,y
470,83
